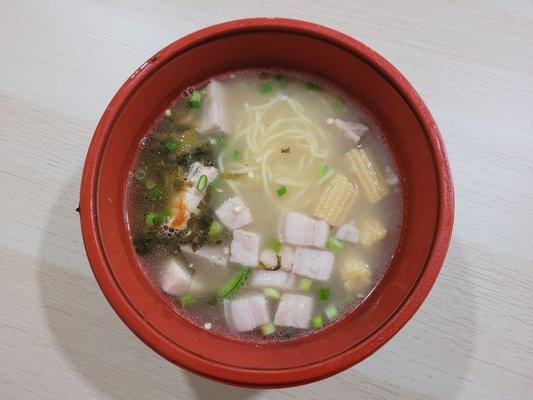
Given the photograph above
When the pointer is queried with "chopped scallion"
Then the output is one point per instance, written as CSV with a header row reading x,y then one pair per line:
x,y
272,293
266,88
275,244
155,193
236,154
323,294
171,145
234,284
153,219
334,244
317,322
202,183
219,140
311,86
323,170
194,100
305,284
214,230
140,174
268,329
281,190
187,299
331,312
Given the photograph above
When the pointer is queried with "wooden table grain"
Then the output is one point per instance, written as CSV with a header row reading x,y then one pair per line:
x,y
61,62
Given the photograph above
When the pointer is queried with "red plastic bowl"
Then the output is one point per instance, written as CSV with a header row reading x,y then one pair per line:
x,y
409,129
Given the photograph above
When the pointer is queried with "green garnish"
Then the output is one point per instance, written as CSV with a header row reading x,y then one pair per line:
x,y
275,244
288,335
219,140
155,193
323,294
266,88
234,284
215,230
317,322
333,244
281,190
268,329
194,100
171,145
339,103
331,312
311,86
153,219
202,183
187,299
272,293
305,284
323,170
140,174
236,154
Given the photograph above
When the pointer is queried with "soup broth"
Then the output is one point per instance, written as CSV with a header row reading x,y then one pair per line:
x,y
265,204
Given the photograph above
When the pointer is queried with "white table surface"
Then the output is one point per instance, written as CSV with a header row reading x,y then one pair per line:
x,y
62,61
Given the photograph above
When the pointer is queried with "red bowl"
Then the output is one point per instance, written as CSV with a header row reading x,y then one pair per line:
x,y
409,129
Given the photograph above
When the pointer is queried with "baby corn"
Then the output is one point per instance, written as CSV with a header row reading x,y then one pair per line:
x,y
367,174
335,200
371,232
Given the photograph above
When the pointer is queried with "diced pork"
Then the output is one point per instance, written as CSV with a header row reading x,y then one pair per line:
x,y
352,131
234,213
294,310
213,118
212,255
187,200
269,258
276,279
174,279
348,232
244,248
247,312
287,258
304,231
315,264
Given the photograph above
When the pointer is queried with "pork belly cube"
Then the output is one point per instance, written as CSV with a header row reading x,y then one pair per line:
x,y
211,255
315,264
247,312
213,118
352,131
275,279
234,213
173,278
302,230
348,232
244,248
294,310
287,258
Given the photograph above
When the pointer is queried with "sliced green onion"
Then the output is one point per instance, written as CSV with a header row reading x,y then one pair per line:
x,y
281,190
331,312
187,299
275,244
268,329
202,183
323,170
219,140
149,220
194,100
323,294
171,145
272,293
333,244
266,88
236,154
153,219
305,284
155,193
140,173
234,284
339,103
317,322
214,230
311,86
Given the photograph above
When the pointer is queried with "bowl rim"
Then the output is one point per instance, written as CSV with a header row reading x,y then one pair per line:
x,y
297,375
